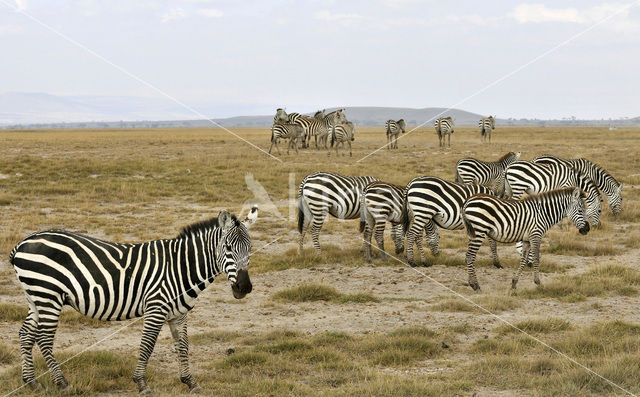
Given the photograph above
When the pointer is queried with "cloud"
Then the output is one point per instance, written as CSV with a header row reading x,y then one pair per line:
x,y
21,5
538,13
346,20
210,12
174,14
8,30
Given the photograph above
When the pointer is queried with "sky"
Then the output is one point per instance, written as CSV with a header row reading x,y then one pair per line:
x,y
506,58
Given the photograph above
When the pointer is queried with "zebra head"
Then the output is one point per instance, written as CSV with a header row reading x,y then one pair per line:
x,y
281,116
319,114
615,200
234,250
577,211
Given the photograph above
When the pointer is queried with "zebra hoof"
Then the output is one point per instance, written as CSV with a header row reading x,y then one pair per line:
x,y
475,285
412,264
497,264
529,264
195,389
35,386
427,264
66,389
513,284
146,392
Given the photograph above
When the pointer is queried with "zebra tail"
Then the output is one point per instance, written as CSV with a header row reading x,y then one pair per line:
x,y
506,189
405,215
300,214
470,230
458,178
363,213
333,134
12,254
271,133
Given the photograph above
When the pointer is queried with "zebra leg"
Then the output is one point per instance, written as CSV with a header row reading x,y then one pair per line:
x,y
494,253
350,154
48,316
472,250
153,320
315,230
397,237
449,139
178,328
523,260
414,235
379,236
433,237
535,253
27,336
366,247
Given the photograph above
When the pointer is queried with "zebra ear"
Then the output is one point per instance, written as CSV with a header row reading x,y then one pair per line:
x,y
620,187
576,193
225,221
251,217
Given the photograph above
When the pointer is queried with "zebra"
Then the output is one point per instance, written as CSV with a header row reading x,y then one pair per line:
x,y
430,202
323,193
525,176
281,117
486,125
444,126
381,203
286,131
394,128
157,280
319,127
320,114
527,220
342,133
603,180
487,173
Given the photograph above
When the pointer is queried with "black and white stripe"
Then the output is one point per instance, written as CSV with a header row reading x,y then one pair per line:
x,y
324,193
281,117
319,128
431,203
292,132
381,203
157,280
531,178
511,221
394,128
486,125
487,173
444,128
342,133
603,180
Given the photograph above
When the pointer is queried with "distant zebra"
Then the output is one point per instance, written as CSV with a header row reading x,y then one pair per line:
x,y
531,178
444,126
157,280
431,203
319,114
605,181
486,173
281,117
319,128
342,133
394,128
323,193
381,203
292,132
486,125
510,221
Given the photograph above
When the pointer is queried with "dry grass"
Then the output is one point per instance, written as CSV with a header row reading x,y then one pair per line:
x,y
318,292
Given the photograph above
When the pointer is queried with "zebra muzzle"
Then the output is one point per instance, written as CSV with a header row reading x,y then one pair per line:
x,y
242,286
585,229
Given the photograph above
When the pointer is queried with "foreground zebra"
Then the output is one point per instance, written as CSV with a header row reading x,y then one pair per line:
x,y
603,180
381,203
431,202
394,128
511,221
342,133
487,173
486,125
157,280
323,193
444,126
292,132
531,178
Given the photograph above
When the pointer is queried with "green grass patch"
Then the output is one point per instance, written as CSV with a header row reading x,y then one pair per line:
x,y
536,326
318,292
581,248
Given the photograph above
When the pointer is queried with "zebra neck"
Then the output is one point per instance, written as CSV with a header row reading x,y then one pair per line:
x,y
554,210
194,260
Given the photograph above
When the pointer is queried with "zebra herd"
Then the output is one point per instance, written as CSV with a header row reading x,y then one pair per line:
x,y
483,199
335,127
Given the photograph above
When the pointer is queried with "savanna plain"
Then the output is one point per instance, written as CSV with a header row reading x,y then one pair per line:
x,y
330,324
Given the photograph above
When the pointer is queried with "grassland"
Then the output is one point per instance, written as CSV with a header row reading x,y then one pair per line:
x,y
330,324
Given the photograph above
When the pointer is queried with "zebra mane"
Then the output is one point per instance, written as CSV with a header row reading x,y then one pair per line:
x,y
553,193
506,156
204,225
601,169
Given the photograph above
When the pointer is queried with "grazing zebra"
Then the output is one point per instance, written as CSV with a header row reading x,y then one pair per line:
x,y
510,221
394,128
531,178
342,133
444,126
281,117
603,180
381,203
486,125
487,173
323,193
157,280
431,202
292,132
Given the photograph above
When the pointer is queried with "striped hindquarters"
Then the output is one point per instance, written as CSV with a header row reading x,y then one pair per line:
x,y
383,202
